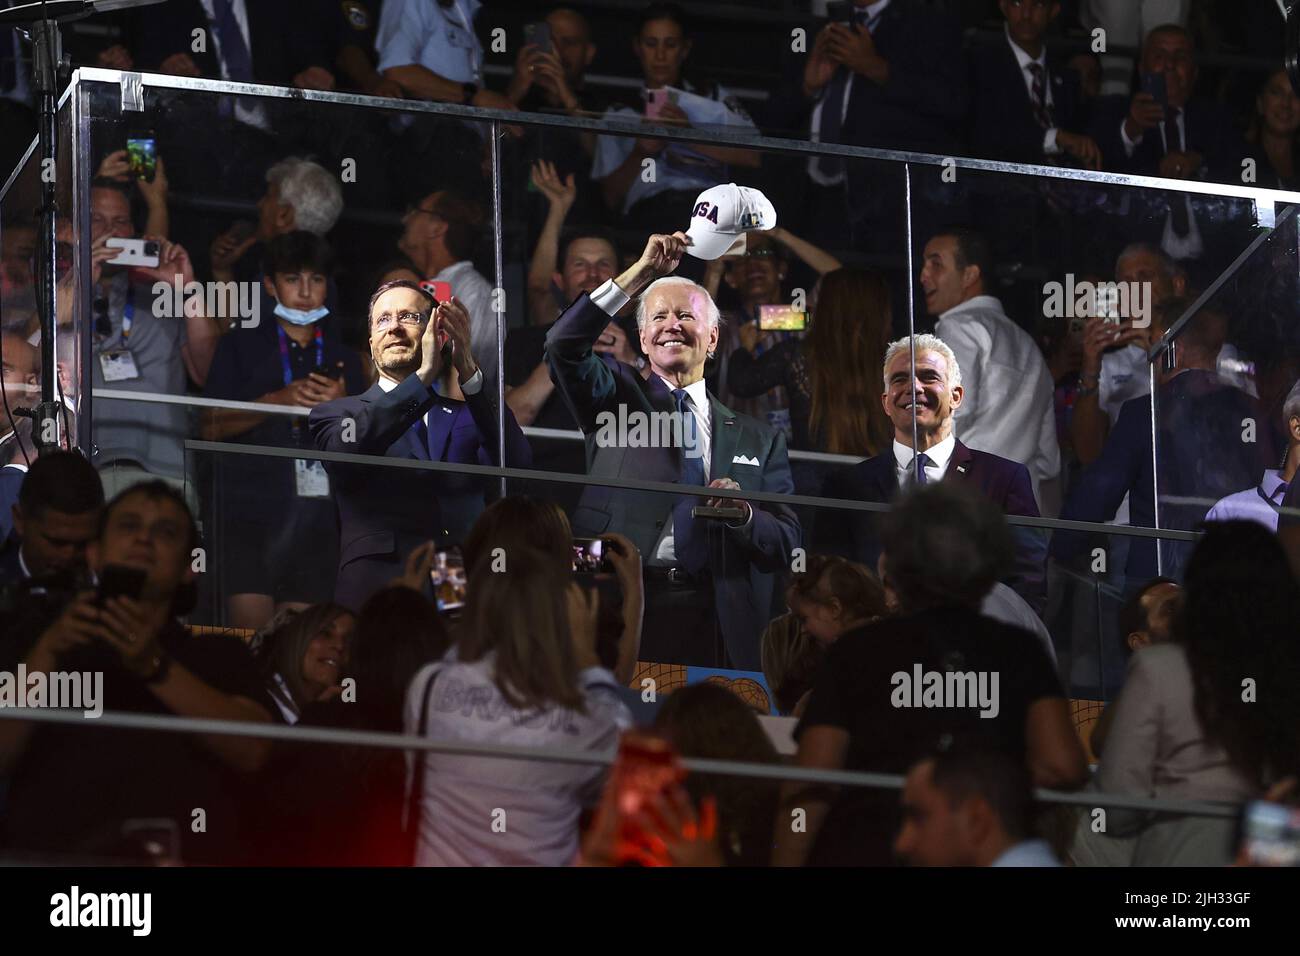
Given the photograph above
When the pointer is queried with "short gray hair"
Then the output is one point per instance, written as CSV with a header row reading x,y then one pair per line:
x,y
924,343
311,189
710,310
1291,406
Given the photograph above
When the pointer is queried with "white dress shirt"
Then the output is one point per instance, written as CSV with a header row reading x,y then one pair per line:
x,y
698,394
874,11
1024,59
470,386
1191,245
1008,408
939,457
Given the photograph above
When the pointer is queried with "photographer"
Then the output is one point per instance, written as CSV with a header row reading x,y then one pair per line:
x,y
73,791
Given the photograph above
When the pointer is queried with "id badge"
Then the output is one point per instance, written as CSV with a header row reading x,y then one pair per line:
x,y
310,478
118,366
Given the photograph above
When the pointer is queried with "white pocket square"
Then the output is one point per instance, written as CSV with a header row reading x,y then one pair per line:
x,y
742,460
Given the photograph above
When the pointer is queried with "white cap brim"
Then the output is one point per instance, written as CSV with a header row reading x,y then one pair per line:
x,y
708,244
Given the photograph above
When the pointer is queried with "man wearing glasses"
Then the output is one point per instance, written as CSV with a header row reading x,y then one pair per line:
x,y
421,349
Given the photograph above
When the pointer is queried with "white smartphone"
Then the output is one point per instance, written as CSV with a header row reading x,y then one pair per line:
x,y
135,252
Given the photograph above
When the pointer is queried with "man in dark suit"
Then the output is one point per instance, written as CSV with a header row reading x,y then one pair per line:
x,y
54,518
386,512
1204,454
1028,107
706,577
1179,138
935,395
892,78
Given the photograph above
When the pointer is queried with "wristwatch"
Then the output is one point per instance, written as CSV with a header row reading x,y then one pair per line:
x,y
158,669
470,90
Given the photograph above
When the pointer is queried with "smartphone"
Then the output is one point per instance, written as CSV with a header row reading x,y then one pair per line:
x,y
589,556
655,101
840,11
781,318
718,514
646,765
539,34
118,581
441,291
329,371
142,155
135,252
1271,834
1154,83
448,578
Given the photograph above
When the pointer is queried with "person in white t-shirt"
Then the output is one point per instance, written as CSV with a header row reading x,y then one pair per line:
x,y
524,674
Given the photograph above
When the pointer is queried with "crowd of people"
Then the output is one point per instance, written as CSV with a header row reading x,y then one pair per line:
x,y
365,574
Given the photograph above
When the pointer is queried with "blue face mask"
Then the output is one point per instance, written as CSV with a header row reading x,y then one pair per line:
x,y
298,316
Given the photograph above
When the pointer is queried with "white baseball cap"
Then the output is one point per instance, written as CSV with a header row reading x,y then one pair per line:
x,y
721,217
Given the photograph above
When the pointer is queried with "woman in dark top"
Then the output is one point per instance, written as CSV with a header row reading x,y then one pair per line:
x,y
833,375
1271,136
890,692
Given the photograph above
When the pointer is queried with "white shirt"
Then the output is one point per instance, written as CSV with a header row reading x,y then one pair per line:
x,y
470,386
665,552
475,292
1251,504
1024,59
1009,407
815,122
1191,245
537,801
939,456
247,109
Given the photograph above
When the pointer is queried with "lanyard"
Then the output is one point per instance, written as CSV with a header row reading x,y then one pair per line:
x,y
128,313
284,352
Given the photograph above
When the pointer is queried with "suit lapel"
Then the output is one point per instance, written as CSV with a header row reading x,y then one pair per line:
x,y
442,418
959,465
726,436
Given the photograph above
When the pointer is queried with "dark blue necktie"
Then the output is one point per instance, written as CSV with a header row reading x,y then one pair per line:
x,y
924,460
421,432
689,541
239,64
831,128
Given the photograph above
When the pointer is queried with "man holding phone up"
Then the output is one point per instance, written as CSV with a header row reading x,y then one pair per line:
x,y
709,579
386,513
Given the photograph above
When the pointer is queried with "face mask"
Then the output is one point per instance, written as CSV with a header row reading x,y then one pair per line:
x,y
298,316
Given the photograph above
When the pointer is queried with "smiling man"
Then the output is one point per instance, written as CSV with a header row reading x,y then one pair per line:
x,y
424,357
707,579
1008,409
935,394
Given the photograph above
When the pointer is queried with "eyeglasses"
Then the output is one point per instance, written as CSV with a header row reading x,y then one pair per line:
x,y
388,320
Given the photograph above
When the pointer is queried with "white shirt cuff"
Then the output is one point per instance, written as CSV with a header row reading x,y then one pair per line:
x,y
609,298
475,383
1049,143
1129,144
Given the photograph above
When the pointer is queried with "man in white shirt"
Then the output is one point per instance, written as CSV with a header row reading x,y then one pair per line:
x,y
439,235
1009,409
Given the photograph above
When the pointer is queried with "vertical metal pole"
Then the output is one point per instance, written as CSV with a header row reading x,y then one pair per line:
x,y
497,252
1155,454
83,331
46,53
911,314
